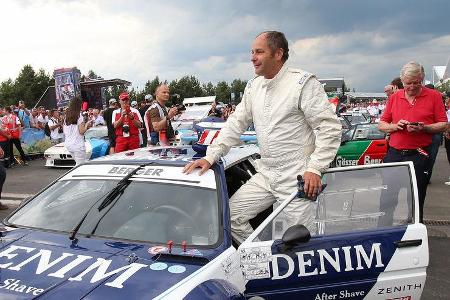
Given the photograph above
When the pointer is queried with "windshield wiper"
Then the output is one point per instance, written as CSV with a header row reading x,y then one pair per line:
x,y
118,189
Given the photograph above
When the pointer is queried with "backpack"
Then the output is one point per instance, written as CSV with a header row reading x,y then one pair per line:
x,y
47,130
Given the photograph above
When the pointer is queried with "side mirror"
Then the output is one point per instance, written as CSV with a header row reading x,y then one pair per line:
x,y
296,234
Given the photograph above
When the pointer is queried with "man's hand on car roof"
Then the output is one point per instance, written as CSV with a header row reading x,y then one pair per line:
x,y
199,163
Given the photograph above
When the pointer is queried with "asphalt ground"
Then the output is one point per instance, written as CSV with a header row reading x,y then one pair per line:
x,y
24,181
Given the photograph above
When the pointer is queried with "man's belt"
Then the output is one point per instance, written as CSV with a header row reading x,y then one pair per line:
x,y
409,152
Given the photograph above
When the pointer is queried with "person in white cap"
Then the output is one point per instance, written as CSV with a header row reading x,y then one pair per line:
x,y
298,134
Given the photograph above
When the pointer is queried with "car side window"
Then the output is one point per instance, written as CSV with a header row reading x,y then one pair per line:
x,y
354,200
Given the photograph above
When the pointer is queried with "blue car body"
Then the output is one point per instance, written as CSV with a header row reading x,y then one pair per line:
x,y
348,256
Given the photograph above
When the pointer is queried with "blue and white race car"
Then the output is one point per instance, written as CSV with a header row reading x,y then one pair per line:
x,y
96,143
133,226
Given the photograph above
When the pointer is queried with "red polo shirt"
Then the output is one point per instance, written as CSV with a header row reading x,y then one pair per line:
x,y
428,108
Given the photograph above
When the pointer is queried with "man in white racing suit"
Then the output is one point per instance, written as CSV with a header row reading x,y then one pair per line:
x,y
297,130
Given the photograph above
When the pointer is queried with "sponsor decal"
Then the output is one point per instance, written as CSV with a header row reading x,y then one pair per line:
x,y
355,258
368,160
158,249
345,294
158,266
365,160
343,162
145,171
255,262
399,288
17,285
96,272
176,269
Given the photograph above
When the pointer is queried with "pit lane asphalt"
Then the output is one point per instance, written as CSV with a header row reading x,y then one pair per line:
x,y
23,181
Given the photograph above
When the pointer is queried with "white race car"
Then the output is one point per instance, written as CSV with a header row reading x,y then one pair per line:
x,y
134,226
96,142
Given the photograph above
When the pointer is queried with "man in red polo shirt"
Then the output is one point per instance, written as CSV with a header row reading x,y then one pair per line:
x,y
411,117
126,121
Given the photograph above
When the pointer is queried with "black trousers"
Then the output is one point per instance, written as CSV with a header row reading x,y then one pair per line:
x,y
447,147
5,146
2,178
16,142
421,165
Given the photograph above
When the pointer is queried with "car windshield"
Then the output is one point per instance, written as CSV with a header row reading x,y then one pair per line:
x,y
96,132
147,211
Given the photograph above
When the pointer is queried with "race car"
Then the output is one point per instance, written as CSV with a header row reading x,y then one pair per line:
x,y
96,143
362,144
356,118
134,226
189,138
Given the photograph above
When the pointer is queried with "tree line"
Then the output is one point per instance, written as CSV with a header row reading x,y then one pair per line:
x,y
30,86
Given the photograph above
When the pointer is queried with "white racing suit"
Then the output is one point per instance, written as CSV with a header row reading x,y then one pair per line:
x,y
297,131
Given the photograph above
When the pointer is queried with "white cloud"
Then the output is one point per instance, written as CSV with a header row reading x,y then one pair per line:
x,y
365,58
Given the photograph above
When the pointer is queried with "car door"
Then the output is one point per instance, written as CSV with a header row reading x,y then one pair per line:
x,y
367,242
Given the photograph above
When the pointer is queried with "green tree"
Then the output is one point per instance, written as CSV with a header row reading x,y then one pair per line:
x,y
208,89
222,92
186,87
7,92
443,87
238,87
24,84
150,86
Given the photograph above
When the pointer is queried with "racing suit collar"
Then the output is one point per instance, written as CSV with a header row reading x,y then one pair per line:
x,y
269,83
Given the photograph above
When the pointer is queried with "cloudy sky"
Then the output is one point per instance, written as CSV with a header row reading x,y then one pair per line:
x,y
366,42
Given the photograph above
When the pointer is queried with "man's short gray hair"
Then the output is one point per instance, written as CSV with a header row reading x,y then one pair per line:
x,y
412,69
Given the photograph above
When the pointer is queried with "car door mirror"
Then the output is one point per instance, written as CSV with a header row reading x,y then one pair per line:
x,y
295,235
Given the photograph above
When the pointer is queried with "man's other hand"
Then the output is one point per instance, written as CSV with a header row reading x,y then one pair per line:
x,y
199,163
313,184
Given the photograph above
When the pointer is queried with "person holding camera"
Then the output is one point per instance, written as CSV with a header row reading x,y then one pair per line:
x,y
412,115
74,127
157,117
56,127
126,122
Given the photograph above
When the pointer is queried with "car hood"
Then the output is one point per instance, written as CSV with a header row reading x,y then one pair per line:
x,y
50,265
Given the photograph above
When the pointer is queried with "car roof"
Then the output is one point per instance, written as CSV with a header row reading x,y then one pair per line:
x,y
174,155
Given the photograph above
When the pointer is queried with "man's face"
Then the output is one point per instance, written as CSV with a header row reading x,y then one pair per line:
x,y
21,105
389,90
163,93
125,103
56,114
264,60
412,85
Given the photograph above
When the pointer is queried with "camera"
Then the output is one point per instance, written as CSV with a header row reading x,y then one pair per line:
x,y
180,107
126,128
85,117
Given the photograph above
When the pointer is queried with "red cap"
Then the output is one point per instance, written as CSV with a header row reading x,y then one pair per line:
x,y
124,96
